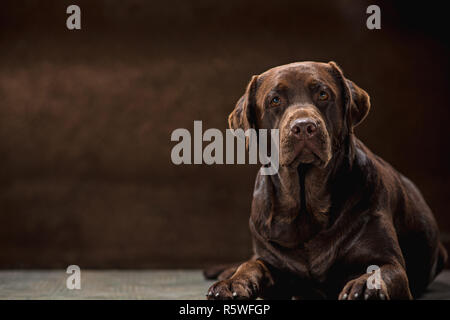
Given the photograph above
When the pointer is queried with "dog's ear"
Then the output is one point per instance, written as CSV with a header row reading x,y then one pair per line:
x,y
358,101
361,103
243,116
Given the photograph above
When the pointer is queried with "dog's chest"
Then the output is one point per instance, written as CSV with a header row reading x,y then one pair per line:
x,y
284,233
292,233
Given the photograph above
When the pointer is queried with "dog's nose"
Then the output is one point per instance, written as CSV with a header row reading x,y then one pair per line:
x,y
304,128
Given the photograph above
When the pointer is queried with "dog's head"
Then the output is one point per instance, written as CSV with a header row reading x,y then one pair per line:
x,y
312,104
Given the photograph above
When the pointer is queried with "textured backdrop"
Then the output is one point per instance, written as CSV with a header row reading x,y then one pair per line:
x,y
86,118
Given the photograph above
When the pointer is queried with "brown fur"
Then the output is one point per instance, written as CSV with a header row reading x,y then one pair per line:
x,y
334,208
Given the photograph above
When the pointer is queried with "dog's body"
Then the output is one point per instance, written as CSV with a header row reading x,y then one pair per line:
x,y
334,209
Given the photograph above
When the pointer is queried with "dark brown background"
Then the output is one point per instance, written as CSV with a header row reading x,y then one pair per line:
x,y
86,118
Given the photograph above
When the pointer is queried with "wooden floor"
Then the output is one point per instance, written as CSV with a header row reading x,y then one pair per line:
x,y
161,284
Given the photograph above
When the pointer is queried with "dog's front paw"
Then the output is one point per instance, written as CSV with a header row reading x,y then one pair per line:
x,y
240,289
357,289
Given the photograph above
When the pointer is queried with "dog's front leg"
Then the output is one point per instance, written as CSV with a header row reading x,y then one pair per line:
x,y
392,285
248,282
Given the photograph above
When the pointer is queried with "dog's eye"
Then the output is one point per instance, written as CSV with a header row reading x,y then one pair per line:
x,y
275,101
323,95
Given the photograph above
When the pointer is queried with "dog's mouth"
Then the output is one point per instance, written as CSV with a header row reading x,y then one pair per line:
x,y
308,152
305,147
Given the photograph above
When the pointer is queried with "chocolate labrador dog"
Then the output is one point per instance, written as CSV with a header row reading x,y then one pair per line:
x,y
335,215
